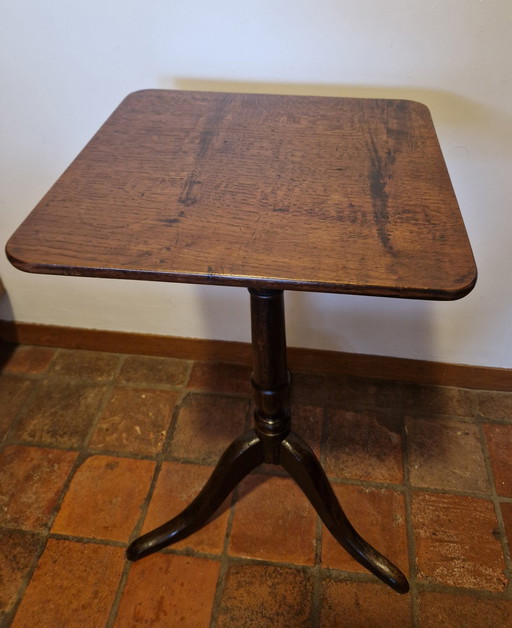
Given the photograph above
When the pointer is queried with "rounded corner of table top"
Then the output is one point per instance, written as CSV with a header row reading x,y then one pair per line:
x,y
452,290
13,257
416,104
138,97
465,287
142,93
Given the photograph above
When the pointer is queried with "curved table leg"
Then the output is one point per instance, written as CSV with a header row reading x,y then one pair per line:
x,y
240,458
303,466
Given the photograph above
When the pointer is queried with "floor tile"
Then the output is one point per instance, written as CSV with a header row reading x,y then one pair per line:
x,y
495,405
18,552
351,393
177,485
499,443
60,413
134,421
97,366
307,422
318,389
206,425
378,515
104,498
28,359
221,377
32,479
133,411
168,590
273,520
364,605
463,611
147,370
13,394
438,400
364,446
373,393
446,455
457,541
265,596
73,585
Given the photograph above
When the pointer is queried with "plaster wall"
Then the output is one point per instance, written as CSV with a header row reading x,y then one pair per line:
x,y
64,66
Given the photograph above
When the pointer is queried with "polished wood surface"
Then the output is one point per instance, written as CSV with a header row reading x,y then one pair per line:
x,y
285,192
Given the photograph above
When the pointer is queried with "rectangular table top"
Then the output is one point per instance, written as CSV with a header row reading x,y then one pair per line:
x,y
343,195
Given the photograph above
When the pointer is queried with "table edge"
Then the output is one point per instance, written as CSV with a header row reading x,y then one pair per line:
x,y
428,294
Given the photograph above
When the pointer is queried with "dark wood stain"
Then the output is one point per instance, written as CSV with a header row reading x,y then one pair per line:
x,y
339,195
211,126
379,173
170,221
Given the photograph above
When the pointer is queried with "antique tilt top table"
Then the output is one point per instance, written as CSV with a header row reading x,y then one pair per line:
x,y
269,193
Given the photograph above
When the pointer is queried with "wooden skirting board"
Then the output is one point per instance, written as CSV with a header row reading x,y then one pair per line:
x,y
332,362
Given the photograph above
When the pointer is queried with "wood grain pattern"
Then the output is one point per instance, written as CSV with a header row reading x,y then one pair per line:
x,y
289,192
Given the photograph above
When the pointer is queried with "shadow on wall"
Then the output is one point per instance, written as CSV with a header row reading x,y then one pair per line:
x,y
6,311
8,338
312,316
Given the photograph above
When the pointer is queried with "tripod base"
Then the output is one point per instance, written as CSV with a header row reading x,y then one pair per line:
x,y
271,441
240,458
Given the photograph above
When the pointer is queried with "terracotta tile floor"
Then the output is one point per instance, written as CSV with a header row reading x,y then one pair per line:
x,y
97,447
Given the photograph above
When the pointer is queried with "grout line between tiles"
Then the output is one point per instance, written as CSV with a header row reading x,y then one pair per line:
x,y
74,538
316,571
481,594
224,560
316,601
451,492
497,509
145,504
411,540
165,452
26,580
107,395
114,609
9,435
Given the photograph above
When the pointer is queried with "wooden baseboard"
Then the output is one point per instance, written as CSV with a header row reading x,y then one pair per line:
x,y
332,362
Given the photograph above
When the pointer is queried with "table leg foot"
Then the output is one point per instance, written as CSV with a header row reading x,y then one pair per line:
x,y
298,459
240,458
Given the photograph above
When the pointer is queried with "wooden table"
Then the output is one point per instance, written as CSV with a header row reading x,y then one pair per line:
x,y
269,193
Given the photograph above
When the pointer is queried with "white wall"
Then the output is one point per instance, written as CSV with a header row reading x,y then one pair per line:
x,y
64,66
